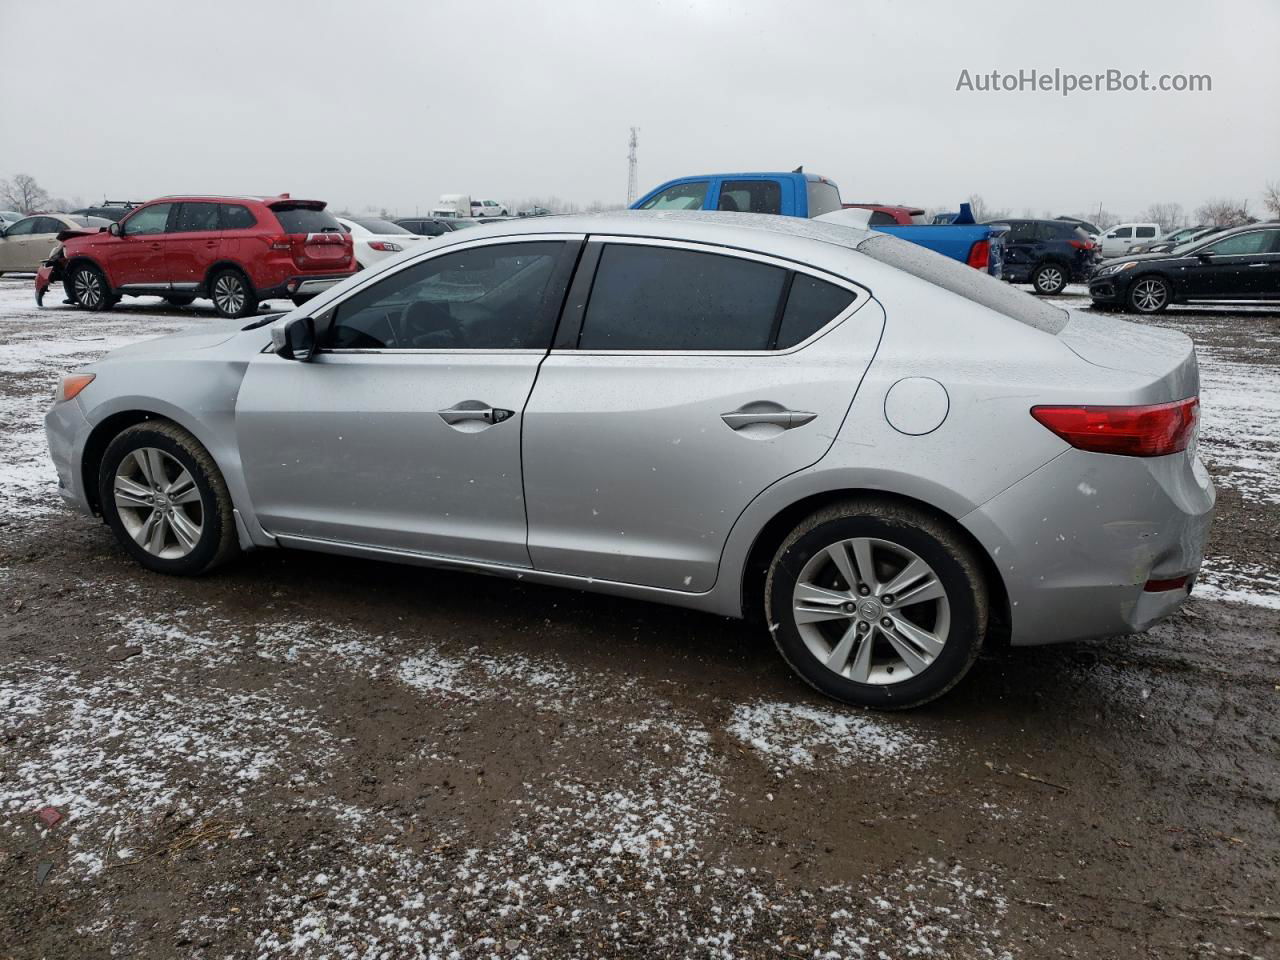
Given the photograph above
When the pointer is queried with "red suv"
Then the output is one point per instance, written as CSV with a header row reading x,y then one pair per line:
x,y
235,251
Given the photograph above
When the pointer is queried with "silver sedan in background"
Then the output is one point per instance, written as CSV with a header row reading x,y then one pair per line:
x,y
889,456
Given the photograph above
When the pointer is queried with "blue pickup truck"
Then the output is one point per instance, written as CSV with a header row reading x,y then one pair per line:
x,y
799,194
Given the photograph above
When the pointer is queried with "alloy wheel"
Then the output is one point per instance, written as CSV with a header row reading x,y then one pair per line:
x,y
159,503
1149,295
1050,280
871,611
88,287
229,294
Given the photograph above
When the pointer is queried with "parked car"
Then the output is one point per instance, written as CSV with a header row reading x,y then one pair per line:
x,y
1092,229
852,466
8,217
1048,254
374,239
1122,236
236,251
798,194
888,214
113,210
432,226
1175,239
534,212
26,244
488,208
1238,264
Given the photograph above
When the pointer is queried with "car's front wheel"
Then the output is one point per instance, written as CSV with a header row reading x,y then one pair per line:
x,y
1148,295
877,604
232,294
165,499
89,288
1049,279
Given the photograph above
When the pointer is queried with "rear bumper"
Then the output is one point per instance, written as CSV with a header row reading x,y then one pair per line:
x,y
1077,541
302,286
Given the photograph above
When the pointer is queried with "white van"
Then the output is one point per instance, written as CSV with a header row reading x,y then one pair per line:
x,y
1117,241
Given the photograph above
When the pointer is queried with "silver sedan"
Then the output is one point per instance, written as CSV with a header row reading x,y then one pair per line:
x,y
890,456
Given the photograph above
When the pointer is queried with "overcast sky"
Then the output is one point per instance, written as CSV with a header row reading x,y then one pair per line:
x,y
390,104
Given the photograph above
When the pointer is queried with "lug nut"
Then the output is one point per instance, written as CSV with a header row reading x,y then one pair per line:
x,y
864,590
887,598
886,622
863,626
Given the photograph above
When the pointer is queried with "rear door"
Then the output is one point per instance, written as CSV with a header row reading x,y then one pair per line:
x,y
403,434
694,380
190,248
1018,248
1239,267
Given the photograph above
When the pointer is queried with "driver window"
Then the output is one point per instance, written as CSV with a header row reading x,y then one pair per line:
x,y
494,297
148,220
1241,244
22,228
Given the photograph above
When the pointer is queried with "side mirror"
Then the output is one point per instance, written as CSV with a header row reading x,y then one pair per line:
x,y
1204,256
295,340
115,230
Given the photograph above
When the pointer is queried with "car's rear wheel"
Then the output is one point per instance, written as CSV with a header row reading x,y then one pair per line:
x,y
877,604
165,500
180,300
88,287
1148,295
1049,278
232,294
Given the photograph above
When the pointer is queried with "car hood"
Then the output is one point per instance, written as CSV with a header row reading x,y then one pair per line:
x,y
66,235
200,337
1125,258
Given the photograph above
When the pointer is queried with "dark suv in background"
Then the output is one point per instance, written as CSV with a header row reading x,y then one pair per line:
x,y
433,226
1048,254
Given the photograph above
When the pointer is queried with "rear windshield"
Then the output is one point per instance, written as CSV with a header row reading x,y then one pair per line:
x,y
374,225
306,220
965,281
823,198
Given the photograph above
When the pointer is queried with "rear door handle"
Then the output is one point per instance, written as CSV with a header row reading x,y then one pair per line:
x,y
786,419
1258,264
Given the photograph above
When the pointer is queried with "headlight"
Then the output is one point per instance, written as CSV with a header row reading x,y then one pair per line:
x,y
1116,268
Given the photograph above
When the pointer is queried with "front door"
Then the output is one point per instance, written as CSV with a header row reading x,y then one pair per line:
x,y
27,243
690,388
136,259
404,432
1239,267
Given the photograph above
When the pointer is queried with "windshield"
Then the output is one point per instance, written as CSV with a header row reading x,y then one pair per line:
x,y
1195,241
374,225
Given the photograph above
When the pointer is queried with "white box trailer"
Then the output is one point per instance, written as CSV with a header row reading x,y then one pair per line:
x,y
452,205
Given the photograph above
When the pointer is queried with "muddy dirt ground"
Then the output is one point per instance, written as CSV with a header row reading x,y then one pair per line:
x,y
307,756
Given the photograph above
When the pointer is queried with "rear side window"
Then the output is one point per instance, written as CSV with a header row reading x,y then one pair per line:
x,y
656,298
962,280
751,196
306,220
194,217
1144,233
1242,243
236,217
811,305
682,196
823,197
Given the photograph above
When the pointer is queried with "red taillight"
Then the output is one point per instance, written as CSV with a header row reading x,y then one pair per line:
x,y
1082,244
1151,431
386,246
980,255
279,243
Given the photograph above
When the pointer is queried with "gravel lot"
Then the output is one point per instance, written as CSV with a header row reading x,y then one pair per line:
x,y
307,756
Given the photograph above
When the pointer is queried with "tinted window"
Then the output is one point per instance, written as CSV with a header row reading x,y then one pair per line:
x,y
23,227
92,221
683,196
49,225
487,298
655,298
432,229
751,196
1124,233
823,197
880,218
374,225
1145,233
1242,243
811,305
305,220
194,217
236,217
148,220
1020,231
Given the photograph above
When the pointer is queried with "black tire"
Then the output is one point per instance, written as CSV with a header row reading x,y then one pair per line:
x,y
217,542
1148,295
88,287
232,293
951,559
1050,278
180,299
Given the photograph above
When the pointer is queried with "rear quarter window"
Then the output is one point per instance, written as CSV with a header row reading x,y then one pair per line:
x,y
963,280
306,220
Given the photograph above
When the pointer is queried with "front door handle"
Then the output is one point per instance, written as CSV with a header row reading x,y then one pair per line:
x,y
1257,264
474,412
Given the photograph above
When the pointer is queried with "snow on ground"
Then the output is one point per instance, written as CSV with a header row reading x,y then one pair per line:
x,y
1240,433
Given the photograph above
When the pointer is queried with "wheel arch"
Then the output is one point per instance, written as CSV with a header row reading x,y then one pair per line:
x,y
219,265
75,260
775,530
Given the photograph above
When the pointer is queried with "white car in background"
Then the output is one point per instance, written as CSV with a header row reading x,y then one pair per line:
x,y
376,239
1117,241
488,208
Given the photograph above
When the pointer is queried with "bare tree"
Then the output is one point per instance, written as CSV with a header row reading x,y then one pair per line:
x,y
1224,213
981,212
1271,198
1168,215
23,194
